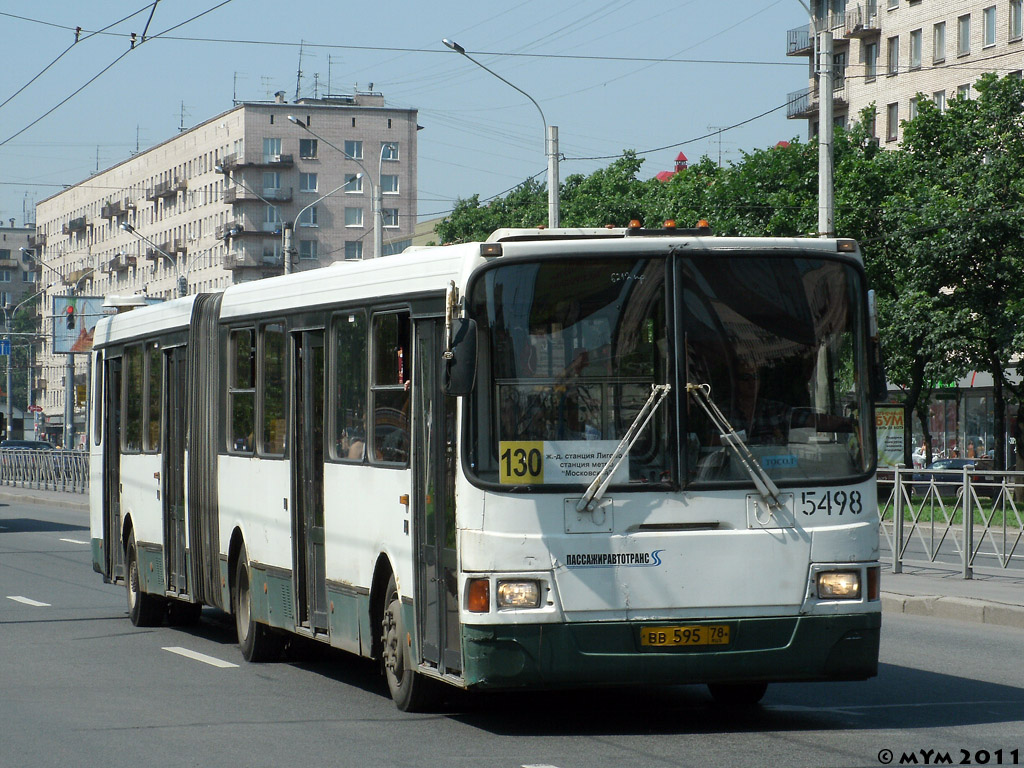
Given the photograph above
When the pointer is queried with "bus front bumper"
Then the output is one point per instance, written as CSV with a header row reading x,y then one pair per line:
x,y
785,649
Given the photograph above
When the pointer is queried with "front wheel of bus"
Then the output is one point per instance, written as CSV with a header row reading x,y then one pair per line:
x,y
257,641
407,687
144,610
738,695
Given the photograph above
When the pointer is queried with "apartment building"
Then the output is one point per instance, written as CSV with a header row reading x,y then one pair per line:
x,y
891,52
213,206
18,274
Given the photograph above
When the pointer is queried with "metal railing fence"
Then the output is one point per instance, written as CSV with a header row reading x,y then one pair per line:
x,y
45,469
966,518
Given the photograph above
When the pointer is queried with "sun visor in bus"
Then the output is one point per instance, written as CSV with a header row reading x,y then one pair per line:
x,y
460,364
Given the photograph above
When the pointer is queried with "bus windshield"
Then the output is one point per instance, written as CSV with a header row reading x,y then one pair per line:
x,y
778,344
570,349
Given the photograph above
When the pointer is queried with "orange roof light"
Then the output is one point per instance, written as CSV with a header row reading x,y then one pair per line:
x,y
670,223
634,223
703,224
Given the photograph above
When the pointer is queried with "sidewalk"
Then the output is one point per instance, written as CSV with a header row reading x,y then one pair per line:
x,y
918,591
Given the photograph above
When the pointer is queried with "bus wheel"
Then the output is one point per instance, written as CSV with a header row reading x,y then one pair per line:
x,y
738,695
144,610
258,641
183,614
407,687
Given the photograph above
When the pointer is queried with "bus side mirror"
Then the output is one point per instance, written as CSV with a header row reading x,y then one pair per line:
x,y
460,359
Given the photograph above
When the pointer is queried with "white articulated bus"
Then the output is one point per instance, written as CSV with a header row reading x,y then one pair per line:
x,y
559,458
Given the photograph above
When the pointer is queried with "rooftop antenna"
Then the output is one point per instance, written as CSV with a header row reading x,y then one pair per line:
x,y
97,158
267,86
718,129
298,76
329,91
316,85
181,124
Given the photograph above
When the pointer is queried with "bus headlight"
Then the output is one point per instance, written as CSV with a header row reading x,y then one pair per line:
x,y
518,594
839,585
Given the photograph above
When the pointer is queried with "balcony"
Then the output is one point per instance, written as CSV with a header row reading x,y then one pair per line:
x,y
167,189
229,230
112,209
247,260
11,263
37,240
804,104
76,276
120,263
75,225
276,160
152,254
862,21
238,194
799,41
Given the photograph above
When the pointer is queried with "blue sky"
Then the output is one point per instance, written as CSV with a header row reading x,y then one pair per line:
x,y
601,70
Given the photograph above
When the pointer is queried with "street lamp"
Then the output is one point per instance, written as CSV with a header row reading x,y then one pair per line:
x,y
550,137
182,279
826,79
378,235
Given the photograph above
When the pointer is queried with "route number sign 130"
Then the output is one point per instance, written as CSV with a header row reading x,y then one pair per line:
x,y
521,462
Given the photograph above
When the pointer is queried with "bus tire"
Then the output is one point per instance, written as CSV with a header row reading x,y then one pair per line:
x,y
408,688
257,641
144,610
738,695
183,614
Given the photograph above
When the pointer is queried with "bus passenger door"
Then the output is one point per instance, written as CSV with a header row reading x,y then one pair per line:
x,y
114,567
173,469
437,603
308,479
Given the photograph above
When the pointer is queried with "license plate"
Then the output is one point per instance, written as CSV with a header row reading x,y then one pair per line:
x,y
674,637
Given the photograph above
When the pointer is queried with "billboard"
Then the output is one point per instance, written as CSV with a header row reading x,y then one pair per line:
x,y
890,429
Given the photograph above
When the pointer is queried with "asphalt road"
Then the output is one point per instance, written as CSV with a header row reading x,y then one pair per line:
x,y
79,686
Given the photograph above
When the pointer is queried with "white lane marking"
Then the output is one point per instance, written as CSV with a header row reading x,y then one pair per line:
x,y
213,662
538,765
28,601
74,541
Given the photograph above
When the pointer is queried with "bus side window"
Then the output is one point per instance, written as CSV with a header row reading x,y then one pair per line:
x,y
350,385
273,389
134,378
392,378
241,390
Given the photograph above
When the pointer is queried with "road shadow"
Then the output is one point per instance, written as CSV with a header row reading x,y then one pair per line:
x,y
33,525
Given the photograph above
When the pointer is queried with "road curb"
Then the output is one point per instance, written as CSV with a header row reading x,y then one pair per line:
x,y
56,500
955,608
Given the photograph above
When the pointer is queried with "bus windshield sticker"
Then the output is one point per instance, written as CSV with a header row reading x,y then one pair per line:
x,y
551,462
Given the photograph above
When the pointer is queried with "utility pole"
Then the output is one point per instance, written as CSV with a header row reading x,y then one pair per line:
x,y
826,77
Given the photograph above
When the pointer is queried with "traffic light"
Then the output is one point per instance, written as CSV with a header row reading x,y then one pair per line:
x,y
69,315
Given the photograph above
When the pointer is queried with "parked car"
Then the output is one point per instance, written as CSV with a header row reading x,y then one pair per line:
x,y
37,445
948,477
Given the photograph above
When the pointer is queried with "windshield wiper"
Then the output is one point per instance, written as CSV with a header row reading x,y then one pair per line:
x,y
592,496
764,484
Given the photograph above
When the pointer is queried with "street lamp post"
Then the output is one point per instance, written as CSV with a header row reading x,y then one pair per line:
x,y
826,77
378,236
182,279
550,137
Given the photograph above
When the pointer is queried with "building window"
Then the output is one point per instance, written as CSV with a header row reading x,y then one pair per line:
x,y
271,182
893,56
354,149
5,275
939,97
354,249
939,42
353,217
1015,19
308,217
915,49
389,150
307,182
912,112
893,4
271,150
390,216
353,183
307,149
870,53
963,35
892,121
988,20
963,91
29,277
307,250
272,219
389,184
